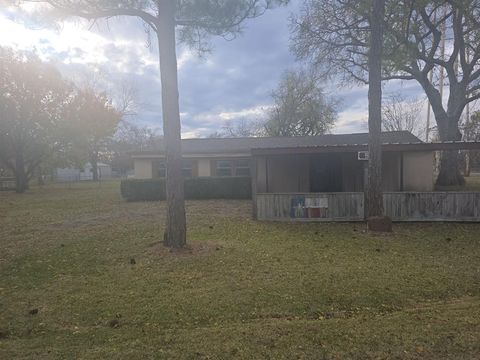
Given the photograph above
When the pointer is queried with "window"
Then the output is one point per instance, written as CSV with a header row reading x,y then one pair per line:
x,y
160,169
242,167
239,167
187,168
224,168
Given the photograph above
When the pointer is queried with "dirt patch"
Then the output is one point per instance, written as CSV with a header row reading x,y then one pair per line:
x,y
192,249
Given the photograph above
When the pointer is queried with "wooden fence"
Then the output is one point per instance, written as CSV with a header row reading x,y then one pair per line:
x,y
400,206
7,183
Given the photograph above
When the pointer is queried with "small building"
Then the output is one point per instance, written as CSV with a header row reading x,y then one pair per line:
x,y
84,173
326,163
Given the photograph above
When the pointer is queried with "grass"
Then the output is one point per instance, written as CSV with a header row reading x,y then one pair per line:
x,y
245,290
472,183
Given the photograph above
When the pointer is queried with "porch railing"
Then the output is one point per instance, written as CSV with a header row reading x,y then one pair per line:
x,y
400,206
310,206
432,206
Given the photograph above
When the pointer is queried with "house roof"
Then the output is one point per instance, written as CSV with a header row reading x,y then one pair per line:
x,y
247,144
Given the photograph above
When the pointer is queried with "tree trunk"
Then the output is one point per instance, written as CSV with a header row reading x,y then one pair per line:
x,y
374,198
175,231
94,164
95,171
21,181
40,179
467,169
449,174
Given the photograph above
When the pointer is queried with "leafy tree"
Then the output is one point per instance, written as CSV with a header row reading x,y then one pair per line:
x,y
333,35
300,107
33,96
92,121
402,113
195,21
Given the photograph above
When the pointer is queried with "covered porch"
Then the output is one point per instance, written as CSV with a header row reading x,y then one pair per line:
x,y
327,183
341,172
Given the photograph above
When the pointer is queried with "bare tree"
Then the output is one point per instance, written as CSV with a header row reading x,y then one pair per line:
x,y
333,35
132,137
300,107
402,113
128,138
124,93
241,128
196,21
127,102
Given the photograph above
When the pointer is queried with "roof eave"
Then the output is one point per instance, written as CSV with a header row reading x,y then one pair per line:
x,y
420,146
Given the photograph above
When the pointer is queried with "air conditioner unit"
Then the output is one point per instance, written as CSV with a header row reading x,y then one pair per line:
x,y
363,155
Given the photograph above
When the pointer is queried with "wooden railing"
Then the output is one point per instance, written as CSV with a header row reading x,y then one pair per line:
x,y
400,206
432,206
310,206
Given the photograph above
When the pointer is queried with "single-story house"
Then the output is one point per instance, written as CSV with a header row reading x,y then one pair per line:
x,y
83,173
325,163
323,178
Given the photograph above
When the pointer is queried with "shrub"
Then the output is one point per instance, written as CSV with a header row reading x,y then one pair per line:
x,y
143,190
195,188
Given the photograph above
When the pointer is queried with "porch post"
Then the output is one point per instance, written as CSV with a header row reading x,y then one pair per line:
x,y
365,188
253,175
365,175
401,171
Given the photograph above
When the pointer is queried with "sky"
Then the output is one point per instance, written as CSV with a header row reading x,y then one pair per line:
x,y
231,83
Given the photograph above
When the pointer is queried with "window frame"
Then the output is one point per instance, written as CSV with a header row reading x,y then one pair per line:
x,y
220,168
233,168
160,170
188,165
243,167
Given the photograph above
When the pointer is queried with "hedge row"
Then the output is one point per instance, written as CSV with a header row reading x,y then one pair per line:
x,y
143,190
195,188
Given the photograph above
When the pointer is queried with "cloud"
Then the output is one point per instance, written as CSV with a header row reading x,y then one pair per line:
x,y
233,82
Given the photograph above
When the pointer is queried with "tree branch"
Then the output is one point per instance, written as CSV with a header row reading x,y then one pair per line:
x,y
79,11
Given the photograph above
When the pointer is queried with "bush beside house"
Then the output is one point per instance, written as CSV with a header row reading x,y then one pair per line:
x,y
195,188
143,190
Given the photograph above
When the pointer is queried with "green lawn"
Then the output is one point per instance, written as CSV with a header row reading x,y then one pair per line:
x,y
245,289
472,183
